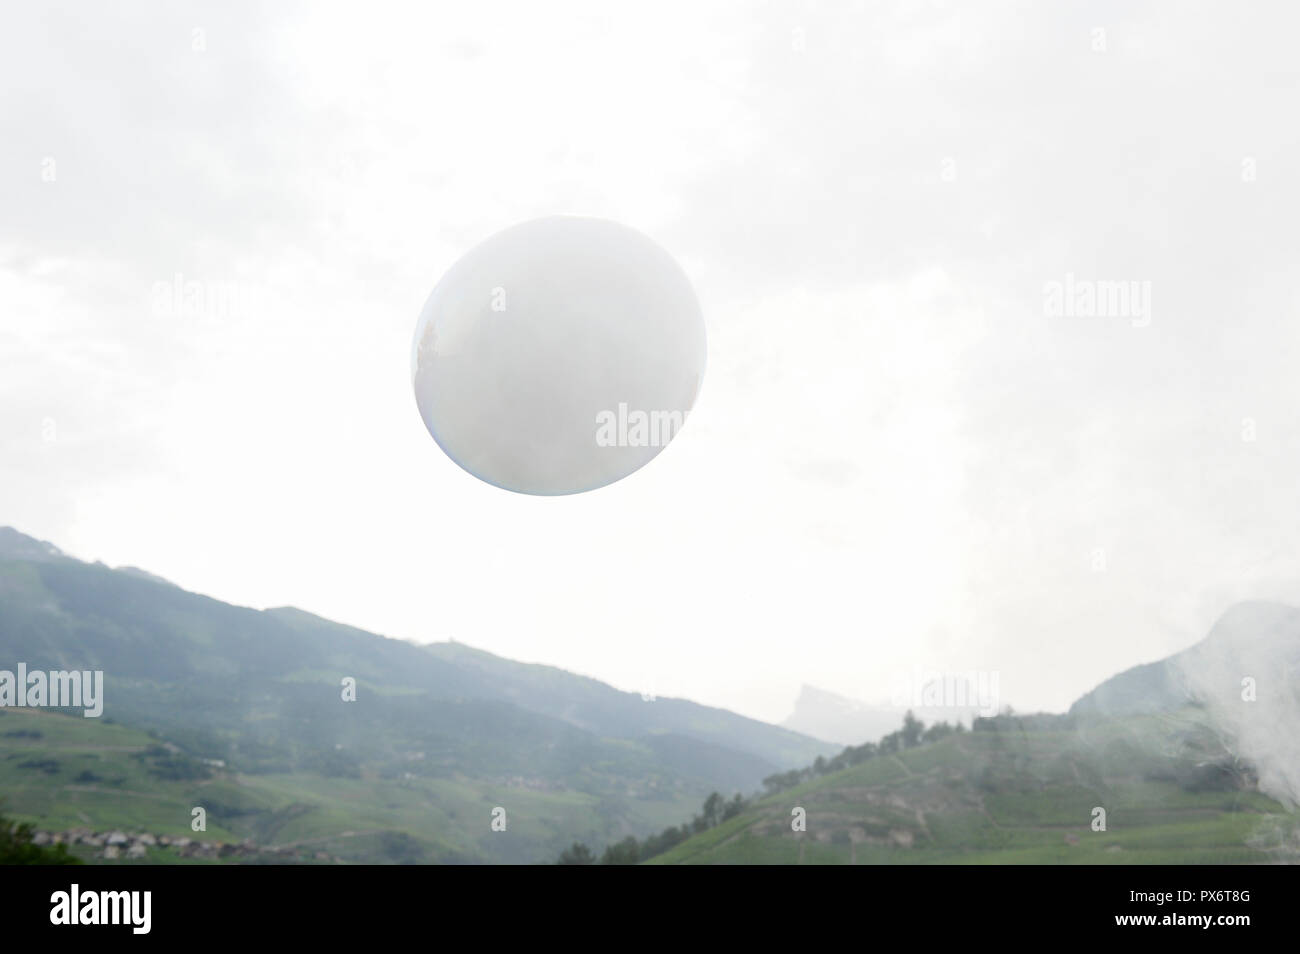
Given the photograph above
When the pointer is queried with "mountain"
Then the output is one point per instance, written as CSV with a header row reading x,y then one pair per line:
x,y
825,715
259,695
1018,791
1194,759
1252,639
18,546
1245,675
835,718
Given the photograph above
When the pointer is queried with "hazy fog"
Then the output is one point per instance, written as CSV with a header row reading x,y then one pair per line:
x,y
218,224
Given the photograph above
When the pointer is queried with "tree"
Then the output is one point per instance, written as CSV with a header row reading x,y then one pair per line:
x,y
734,807
658,844
713,806
912,728
578,854
783,780
17,847
626,852
940,730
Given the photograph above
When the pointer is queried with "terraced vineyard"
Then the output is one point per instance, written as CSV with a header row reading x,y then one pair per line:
x,y
1017,795
66,773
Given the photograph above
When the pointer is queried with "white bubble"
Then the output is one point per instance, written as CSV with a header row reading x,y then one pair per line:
x,y
559,355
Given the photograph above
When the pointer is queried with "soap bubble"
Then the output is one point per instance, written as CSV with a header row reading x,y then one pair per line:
x,y
558,356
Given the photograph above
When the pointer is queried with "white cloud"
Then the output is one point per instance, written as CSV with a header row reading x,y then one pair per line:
x,y
896,457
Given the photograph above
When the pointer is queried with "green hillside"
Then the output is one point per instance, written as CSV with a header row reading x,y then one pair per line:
x,y
1193,760
248,708
65,773
1020,791
240,713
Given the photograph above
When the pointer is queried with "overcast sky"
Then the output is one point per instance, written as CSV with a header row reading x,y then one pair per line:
x,y
901,455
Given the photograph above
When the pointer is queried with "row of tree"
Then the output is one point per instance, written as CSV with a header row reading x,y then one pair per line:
x,y
912,734
717,809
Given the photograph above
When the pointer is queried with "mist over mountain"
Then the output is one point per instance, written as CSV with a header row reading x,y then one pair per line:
x,y
243,713
1191,760
1244,674
835,718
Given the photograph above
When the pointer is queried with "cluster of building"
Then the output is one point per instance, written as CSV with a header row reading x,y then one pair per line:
x,y
118,845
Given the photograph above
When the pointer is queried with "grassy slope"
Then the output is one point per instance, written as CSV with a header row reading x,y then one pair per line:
x,y
447,817
437,734
983,798
234,679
